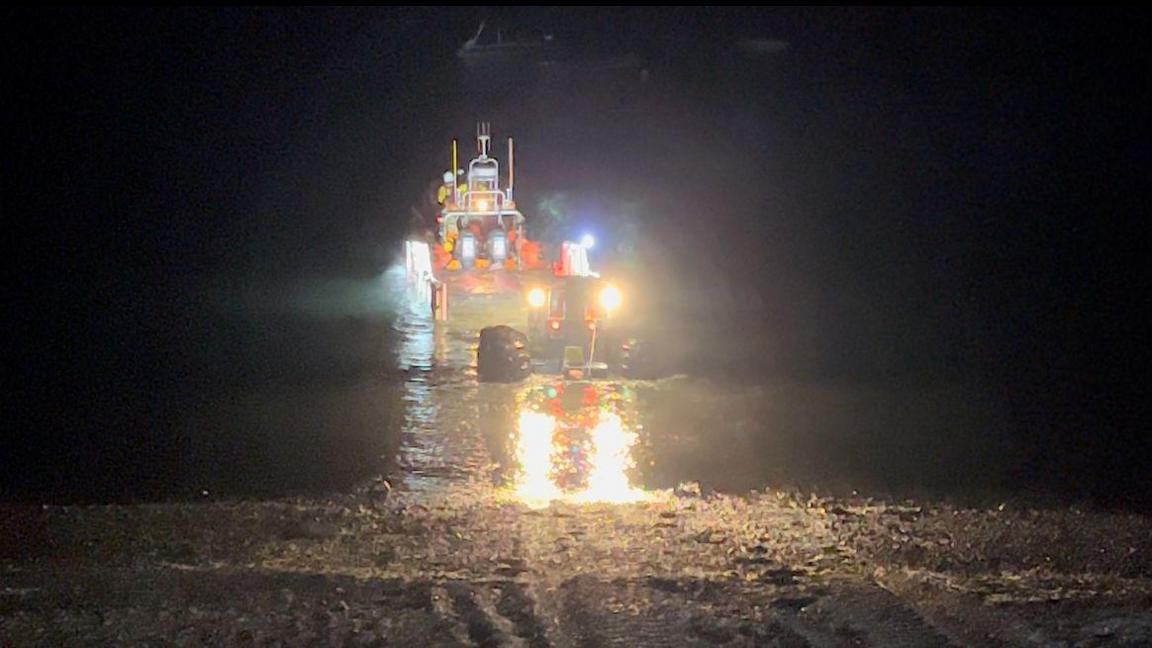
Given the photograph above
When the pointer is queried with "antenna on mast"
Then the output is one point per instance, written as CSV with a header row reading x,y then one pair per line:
x,y
483,138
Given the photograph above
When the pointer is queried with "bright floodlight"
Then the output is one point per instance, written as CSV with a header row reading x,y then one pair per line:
x,y
536,297
588,241
610,298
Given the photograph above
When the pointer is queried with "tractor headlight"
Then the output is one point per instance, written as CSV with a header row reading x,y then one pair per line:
x,y
610,298
536,297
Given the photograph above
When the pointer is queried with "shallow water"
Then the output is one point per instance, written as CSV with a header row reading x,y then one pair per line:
x,y
318,387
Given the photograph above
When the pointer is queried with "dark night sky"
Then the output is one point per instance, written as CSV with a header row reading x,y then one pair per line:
x,y
973,179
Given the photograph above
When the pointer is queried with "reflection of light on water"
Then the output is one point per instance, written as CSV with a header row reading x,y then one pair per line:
x,y
534,454
427,453
418,342
418,345
609,460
